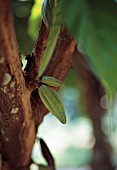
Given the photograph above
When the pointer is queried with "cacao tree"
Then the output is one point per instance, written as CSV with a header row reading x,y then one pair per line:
x,y
26,96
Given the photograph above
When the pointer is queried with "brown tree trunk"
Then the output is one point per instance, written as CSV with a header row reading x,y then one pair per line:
x,y
20,104
16,123
92,92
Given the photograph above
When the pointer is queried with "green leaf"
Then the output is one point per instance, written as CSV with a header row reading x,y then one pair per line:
x,y
53,102
35,19
53,36
48,8
94,26
51,81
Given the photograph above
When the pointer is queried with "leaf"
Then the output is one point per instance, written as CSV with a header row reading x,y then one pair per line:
x,y
35,19
48,8
53,102
47,154
53,36
51,81
94,26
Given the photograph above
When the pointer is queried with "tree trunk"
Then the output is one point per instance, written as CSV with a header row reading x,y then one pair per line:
x,y
92,92
16,123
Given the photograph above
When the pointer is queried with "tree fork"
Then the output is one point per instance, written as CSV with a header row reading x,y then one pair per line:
x,y
17,114
60,64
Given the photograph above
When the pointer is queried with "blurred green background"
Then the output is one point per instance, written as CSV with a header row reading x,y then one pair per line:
x,y
70,144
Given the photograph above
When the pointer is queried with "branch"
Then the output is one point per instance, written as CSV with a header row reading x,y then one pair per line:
x,y
17,129
34,61
58,67
40,46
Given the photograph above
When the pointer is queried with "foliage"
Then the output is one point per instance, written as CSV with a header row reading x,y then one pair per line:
x,y
34,20
55,9
51,99
93,24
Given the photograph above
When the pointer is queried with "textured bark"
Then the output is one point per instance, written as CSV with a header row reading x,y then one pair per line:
x,y
17,127
92,92
40,46
21,110
34,60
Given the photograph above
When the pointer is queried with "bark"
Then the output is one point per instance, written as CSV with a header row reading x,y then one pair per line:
x,y
21,109
92,92
34,60
16,124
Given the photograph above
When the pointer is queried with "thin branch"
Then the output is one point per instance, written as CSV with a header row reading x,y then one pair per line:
x,y
34,61
40,46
